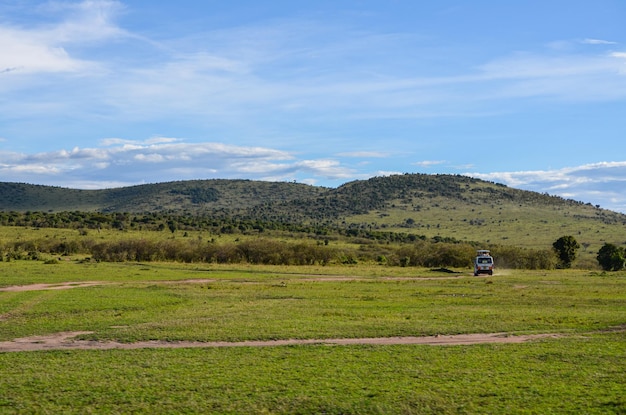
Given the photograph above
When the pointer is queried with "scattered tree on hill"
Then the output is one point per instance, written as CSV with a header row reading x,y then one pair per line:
x,y
611,257
565,248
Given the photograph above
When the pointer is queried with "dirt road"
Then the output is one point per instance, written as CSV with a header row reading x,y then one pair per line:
x,y
68,341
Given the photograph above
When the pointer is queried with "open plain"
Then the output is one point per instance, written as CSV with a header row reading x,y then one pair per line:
x,y
80,337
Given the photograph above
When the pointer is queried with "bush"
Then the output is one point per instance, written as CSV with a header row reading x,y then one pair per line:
x,y
611,257
520,258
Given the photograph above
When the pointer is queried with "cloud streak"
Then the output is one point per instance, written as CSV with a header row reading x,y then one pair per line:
x,y
128,162
276,69
597,183
589,41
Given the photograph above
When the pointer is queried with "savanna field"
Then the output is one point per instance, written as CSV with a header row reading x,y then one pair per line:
x,y
579,368
370,307
312,207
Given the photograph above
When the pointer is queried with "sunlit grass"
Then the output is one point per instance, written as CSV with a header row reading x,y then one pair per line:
x,y
572,375
162,301
584,371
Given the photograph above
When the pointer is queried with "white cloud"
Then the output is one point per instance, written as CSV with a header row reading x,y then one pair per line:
x,y
597,183
383,173
329,168
589,41
22,52
132,162
43,48
150,158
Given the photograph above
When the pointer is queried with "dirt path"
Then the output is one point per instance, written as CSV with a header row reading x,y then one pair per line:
x,y
68,341
57,286
330,278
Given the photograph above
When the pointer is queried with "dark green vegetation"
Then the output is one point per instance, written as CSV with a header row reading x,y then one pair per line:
x,y
583,371
566,248
289,202
272,248
224,198
374,216
611,257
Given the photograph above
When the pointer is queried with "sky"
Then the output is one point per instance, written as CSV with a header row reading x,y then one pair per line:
x,y
102,93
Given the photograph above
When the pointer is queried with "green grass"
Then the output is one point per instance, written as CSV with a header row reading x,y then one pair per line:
x,y
582,372
268,304
572,375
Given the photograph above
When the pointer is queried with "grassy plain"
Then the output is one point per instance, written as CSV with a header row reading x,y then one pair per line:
x,y
584,371
572,375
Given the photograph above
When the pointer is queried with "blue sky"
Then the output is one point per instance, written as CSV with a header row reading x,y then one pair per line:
x,y
531,94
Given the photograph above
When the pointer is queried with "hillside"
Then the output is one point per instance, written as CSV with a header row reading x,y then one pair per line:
x,y
459,207
229,197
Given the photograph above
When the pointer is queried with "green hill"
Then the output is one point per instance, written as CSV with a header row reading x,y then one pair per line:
x,y
183,197
447,206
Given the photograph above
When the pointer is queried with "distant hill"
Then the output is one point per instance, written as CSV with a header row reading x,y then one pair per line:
x,y
182,197
448,205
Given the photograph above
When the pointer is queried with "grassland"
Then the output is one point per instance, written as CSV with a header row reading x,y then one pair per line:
x,y
502,223
429,206
573,375
582,371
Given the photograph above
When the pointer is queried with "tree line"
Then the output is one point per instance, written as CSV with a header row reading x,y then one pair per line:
x,y
271,251
389,248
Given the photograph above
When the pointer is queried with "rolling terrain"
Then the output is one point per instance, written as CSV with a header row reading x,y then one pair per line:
x,y
447,206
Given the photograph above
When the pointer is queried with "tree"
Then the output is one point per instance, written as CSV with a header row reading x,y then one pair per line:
x,y
565,248
172,226
611,257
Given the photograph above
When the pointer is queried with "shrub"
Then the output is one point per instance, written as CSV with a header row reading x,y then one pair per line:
x,y
611,257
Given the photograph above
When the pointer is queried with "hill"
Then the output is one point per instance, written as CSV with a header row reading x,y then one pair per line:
x,y
182,197
447,206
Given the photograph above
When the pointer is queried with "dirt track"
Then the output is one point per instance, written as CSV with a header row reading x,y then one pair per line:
x,y
82,284
67,341
58,286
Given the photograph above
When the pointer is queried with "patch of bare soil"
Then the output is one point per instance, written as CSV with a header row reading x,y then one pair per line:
x,y
69,285
57,286
68,341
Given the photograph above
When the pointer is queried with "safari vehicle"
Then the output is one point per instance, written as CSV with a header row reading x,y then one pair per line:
x,y
483,264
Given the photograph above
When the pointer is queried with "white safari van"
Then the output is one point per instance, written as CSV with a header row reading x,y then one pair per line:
x,y
483,264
